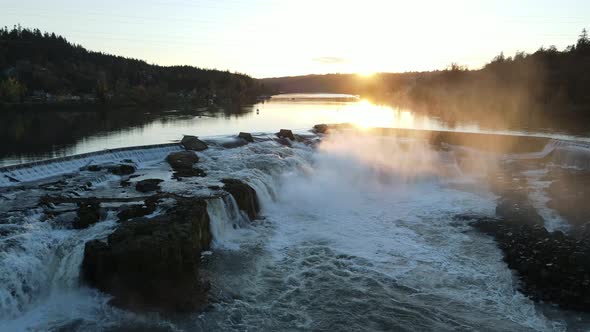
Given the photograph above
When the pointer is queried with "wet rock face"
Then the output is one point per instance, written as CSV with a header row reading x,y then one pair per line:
x,y
148,185
152,264
88,214
244,195
193,143
182,163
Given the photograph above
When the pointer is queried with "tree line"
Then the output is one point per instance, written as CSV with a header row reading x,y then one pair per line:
x,y
39,66
548,83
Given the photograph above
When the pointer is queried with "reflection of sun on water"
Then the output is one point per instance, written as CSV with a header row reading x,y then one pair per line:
x,y
364,115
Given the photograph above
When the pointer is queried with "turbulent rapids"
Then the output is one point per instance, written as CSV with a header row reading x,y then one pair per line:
x,y
346,231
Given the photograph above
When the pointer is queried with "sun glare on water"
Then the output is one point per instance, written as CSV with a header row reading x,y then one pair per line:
x,y
365,114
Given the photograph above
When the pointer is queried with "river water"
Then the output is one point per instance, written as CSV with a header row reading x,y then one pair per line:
x,y
35,135
356,235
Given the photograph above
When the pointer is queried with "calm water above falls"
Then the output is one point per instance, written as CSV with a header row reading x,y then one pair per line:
x,y
30,136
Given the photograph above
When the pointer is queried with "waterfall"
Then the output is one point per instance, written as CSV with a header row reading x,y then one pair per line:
x,y
34,171
224,219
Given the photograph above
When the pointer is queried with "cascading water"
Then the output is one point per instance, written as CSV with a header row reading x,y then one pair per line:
x,y
358,234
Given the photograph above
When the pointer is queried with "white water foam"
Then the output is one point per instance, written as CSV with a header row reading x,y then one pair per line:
x,y
358,236
11,175
364,239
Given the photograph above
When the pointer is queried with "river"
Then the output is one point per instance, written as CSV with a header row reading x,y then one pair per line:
x,y
359,234
35,135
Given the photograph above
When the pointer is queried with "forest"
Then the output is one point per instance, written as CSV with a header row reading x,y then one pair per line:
x,y
42,68
544,85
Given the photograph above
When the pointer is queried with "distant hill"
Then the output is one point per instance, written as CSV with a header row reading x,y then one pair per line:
x,y
38,67
547,83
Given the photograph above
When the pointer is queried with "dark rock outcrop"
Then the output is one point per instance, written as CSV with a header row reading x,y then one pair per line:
x,y
88,214
139,210
148,185
121,169
193,143
153,264
286,133
552,266
183,162
244,195
246,136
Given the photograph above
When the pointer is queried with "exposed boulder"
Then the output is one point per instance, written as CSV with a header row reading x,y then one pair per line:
x,y
286,133
148,185
182,159
88,214
320,128
122,169
152,264
244,195
246,136
193,143
182,163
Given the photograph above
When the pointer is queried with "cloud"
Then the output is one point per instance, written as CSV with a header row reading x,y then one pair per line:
x,y
329,60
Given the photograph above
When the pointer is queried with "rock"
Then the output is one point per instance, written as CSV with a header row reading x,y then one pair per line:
x,y
320,128
246,136
552,267
122,169
286,133
88,214
284,141
148,185
244,195
182,159
153,264
193,143
182,163
136,211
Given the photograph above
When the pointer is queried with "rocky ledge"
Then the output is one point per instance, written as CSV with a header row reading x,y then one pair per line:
x,y
153,263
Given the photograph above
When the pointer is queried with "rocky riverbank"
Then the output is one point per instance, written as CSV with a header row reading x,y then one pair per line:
x,y
552,262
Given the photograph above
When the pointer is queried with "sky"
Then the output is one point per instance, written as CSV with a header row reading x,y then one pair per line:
x,y
271,38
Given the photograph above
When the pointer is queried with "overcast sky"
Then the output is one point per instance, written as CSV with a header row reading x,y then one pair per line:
x,y
267,38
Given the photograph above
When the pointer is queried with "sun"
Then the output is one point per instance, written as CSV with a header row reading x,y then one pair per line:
x,y
366,74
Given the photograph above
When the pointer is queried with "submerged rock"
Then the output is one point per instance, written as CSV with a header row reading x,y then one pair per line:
x,y
246,136
88,214
148,185
152,264
244,195
193,143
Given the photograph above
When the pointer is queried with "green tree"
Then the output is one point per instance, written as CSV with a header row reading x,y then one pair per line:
x,y
11,90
